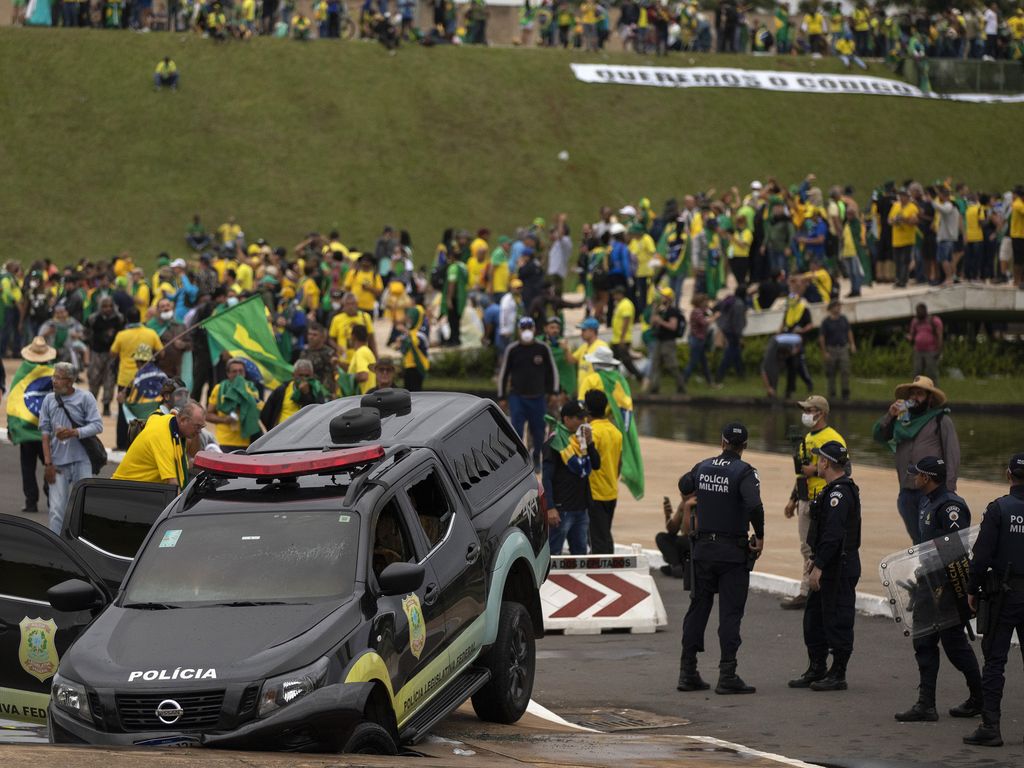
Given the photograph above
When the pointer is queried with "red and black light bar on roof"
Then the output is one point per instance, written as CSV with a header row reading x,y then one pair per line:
x,y
293,464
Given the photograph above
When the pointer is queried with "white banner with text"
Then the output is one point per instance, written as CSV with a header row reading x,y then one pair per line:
x,y
768,80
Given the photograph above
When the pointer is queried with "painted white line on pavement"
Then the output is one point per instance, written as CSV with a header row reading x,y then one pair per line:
x,y
539,710
754,752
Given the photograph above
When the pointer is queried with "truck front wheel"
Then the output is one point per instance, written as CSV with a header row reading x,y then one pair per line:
x,y
512,661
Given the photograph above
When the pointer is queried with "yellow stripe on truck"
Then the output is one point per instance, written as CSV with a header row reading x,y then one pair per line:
x,y
24,706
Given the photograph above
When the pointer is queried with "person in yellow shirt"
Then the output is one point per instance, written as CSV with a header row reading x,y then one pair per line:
x,y
362,361
342,325
588,333
604,481
245,275
365,284
229,428
861,28
644,253
808,485
478,266
334,245
229,231
623,319
603,359
127,343
499,275
396,301
139,289
815,27
1017,225
158,453
291,397
739,257
903,219
166,74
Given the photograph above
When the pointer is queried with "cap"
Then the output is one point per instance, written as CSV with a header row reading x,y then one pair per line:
x,y
573,409
515,282
1016,466
756,184
178,263
504,240
526,322
687,485
553,319
834,451
932,466
616,229
589,324
815,401
734,433
627,210
667,292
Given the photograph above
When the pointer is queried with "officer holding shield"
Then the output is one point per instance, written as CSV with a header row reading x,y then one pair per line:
x,y
941,513
997,578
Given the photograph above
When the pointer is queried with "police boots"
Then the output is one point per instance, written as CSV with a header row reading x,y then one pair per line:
x,y
816,671
835,680
729,682
689,677
922,712
970,708
987,734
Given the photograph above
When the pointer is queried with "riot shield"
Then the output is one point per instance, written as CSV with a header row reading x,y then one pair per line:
x,y
927,583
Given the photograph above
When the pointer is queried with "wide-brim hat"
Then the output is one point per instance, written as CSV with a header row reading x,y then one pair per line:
x,y
38,351
935,395
602,356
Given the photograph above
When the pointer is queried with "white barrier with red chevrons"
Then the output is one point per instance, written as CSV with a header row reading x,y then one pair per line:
x,y
587,594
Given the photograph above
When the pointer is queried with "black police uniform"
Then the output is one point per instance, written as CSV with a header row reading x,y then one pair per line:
x,y
728,504
834,538
942,512
1000,547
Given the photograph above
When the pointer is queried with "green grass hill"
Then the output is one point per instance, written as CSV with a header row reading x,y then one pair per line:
x,y
292,137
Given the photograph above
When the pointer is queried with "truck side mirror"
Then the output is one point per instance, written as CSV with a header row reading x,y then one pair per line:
x,y
401,578
74,595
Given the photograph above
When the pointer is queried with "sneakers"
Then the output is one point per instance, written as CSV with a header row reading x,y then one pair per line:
x,y
921,712
795,603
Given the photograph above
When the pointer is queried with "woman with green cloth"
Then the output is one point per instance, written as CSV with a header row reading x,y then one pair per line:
x,y
415,348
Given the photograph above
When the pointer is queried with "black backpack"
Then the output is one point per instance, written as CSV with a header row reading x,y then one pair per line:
x,y
437,277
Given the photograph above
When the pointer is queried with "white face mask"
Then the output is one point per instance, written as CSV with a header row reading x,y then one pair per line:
x,y
232,301
809,420
335,305
526,336
165,316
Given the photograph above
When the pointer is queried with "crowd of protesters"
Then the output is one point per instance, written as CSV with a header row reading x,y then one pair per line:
x,y
869,29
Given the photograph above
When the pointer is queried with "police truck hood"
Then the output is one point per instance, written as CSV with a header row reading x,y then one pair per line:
x,y
137,647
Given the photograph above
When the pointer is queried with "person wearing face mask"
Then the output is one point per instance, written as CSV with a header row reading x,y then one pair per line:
x,y
172,334
917,425
528,373
808,483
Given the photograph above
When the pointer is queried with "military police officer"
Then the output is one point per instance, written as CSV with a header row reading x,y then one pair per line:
x,y
728,504
833,572
997,575
942,512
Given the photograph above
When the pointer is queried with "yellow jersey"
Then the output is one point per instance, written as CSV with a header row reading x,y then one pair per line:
x,y
816,440
622,322
1017,218
903,234
124,346
156,455
362,361
973,219
583,368
366,286
341,331
604,481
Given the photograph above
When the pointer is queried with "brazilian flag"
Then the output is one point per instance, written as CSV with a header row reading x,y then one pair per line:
x,y
632,459
32,383
244,331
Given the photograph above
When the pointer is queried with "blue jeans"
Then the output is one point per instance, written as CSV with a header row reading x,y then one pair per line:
x,y
574,526
856,274
698,356
60,491
732,357
909,503
529,410
10,338
675,282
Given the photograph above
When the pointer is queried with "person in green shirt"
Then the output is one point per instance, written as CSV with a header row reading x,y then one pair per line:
x,y
456,281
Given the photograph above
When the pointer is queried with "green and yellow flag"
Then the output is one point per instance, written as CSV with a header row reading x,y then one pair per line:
x,y
244,331
632,459
32,383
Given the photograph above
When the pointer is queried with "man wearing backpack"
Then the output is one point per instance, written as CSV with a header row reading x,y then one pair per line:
x,y
926,337
668,326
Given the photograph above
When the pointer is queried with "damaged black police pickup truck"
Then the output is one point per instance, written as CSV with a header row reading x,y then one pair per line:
x,y
344,584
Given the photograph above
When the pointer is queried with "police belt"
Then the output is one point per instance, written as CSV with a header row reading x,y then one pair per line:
x,y
736,538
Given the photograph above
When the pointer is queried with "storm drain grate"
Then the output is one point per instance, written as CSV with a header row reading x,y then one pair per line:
x,y
611,720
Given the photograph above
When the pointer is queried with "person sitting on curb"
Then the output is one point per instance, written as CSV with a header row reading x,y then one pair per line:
x,y
674,541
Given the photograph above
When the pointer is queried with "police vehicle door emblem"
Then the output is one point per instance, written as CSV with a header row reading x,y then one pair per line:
x,y
417,629
37,651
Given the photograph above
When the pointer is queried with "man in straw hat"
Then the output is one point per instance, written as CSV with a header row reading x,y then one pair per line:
x,y
916,425
30,385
